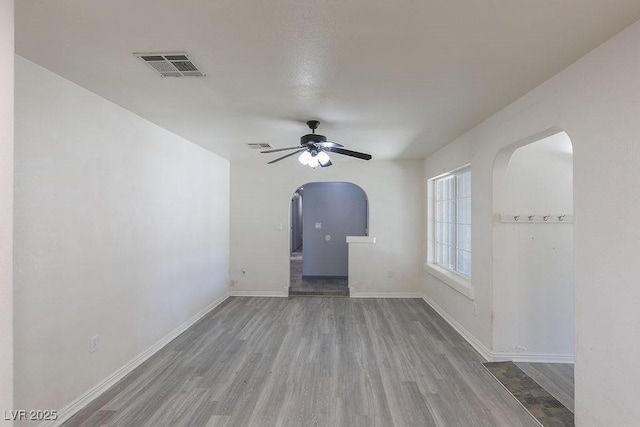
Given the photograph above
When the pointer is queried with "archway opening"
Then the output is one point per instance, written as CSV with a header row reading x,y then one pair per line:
x,y
533,284
323,214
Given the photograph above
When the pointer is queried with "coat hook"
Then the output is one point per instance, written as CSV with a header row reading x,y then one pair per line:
x,y
561,218
531,217
546,217
516,217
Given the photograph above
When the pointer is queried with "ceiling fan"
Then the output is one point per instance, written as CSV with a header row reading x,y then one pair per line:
x,y
314,148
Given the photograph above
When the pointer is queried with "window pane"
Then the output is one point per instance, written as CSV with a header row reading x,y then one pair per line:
x,y
445,255
452,233
464,262
464,237
452,258
445,234
453,222
463,211
448,190
445,212
466,207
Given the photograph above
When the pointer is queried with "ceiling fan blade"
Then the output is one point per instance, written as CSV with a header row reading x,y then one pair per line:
x,y
328,144
288,155
326,165
275,150
350,153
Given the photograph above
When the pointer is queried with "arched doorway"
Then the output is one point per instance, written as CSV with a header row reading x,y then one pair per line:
x,y
323,214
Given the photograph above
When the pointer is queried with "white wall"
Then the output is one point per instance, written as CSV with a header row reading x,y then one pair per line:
x,y
596,101
260,198
476,320
6,206
121,231
539,178
533,287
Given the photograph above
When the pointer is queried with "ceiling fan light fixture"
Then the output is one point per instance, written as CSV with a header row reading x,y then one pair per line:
x,y
305,157
313,147
313,161
323,158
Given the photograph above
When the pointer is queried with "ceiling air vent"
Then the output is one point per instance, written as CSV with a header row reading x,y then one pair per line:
x,y
171,64
258,145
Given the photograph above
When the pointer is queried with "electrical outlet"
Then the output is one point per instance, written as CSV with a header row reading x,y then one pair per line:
x,y
233,282
93,344
390,273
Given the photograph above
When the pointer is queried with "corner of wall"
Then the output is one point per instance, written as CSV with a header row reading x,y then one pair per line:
x,y
6,203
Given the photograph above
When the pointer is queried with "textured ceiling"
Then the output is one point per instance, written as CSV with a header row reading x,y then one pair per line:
x,y
398,79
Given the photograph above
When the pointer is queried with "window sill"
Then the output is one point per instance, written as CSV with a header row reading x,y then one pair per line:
x,y
458,283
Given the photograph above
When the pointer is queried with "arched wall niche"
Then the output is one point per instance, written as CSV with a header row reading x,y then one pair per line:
x,y
533,285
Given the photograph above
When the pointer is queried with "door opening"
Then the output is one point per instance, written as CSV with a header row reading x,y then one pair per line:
x,y
323,214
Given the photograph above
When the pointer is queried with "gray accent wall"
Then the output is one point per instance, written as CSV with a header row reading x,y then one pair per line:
x,y
340,209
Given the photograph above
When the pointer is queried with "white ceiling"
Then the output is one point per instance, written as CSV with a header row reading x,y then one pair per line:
x,y
397,79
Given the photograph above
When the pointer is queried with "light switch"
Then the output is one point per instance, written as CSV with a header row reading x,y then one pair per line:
x,y
318,225
278,226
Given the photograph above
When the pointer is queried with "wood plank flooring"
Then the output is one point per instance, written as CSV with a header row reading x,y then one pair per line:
x,y
556,378
311,362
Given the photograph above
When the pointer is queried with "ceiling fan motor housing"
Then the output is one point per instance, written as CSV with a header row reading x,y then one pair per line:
x,y
311,138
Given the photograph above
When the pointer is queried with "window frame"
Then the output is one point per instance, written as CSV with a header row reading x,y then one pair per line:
x,y
454,278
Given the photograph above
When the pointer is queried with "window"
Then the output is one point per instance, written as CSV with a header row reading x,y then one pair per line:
x,y
452,215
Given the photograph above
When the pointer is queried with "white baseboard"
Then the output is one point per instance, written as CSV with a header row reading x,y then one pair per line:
x,y
532,357
353,294
74,407
475,343
274,294
356,294
491,356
